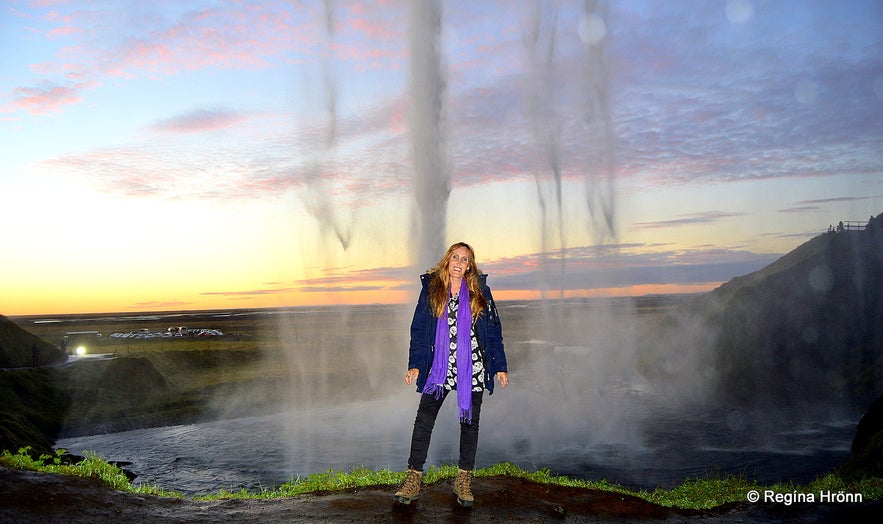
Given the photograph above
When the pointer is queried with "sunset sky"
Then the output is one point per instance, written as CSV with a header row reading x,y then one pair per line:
x,y
174,154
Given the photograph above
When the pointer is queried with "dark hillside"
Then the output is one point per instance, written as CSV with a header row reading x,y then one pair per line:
x,y
17,345
32,407
31,404
807,329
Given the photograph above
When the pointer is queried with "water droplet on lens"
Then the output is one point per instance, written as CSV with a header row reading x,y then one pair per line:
x,y
806,92
821,279
878,87
739,11
592,29
810,335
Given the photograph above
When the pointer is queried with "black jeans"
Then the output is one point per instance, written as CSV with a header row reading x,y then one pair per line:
x,y
425,421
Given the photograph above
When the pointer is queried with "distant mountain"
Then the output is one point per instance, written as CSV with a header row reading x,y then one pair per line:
x,y
17,347
807,329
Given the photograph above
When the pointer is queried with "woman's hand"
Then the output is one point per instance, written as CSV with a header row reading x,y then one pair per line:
x,y
503,377
411,376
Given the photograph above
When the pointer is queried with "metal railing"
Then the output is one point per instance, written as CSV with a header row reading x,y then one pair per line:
x,y
849,225
852,225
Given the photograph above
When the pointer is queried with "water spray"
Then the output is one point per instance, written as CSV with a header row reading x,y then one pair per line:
x,y
599,181
319,192
540,43
427,90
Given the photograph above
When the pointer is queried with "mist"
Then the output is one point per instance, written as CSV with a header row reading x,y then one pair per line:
x,y
594,382
575,368
577,380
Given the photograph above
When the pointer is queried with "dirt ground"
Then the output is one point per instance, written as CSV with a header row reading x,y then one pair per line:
x,y
29,497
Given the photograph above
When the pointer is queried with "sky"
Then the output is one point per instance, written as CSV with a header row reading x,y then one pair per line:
x,y
189,155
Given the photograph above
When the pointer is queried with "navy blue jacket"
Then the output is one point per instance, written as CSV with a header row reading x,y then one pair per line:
x,y
488,332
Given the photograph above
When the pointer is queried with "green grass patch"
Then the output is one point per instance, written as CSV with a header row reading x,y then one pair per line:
x,y
91,467
705,493
700,493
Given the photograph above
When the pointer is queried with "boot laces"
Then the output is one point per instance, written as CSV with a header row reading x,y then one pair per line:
x,y
464,483
412,482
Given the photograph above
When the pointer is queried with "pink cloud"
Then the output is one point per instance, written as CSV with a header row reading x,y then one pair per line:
x,y
128,172
159,304
62,32
372,30
333,279
44,99
199,121
48,3
261,166
123,44
250,292
230,36
362,54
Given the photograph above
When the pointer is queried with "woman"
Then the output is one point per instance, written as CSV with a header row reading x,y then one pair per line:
x,y
456,345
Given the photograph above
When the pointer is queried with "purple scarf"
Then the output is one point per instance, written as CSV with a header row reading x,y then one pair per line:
x,y
439,371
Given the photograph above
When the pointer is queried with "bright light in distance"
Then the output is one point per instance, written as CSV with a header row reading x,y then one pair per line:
x,y
81,350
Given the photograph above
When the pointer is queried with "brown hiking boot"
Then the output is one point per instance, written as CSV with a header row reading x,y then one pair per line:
x,y
463,488
410,488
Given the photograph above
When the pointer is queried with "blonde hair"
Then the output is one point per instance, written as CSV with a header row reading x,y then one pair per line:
x,y
440,284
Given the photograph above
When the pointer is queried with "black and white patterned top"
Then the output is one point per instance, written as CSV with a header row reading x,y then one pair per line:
x,y
477,364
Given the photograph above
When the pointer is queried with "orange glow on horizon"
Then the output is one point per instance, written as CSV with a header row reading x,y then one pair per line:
x,y
628,291
65,305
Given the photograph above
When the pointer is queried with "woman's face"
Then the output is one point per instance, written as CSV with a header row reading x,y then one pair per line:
x,y
459,262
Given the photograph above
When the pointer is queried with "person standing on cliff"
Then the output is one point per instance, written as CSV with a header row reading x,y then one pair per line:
x,y
456,345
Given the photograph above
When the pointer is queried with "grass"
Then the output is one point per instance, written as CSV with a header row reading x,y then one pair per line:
x,y
91,467
707,493
700,493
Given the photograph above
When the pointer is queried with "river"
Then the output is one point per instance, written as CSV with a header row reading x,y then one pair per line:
x,y
265,451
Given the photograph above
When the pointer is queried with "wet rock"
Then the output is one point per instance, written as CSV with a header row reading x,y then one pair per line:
x,y
867,446
870,424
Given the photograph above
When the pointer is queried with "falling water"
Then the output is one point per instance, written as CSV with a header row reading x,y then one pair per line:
x,y
575,368
599,176
318,184
546,124
551,108
431,175
346,357
580,391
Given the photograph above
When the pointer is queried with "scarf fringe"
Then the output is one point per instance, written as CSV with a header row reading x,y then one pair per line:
x,y
436,390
